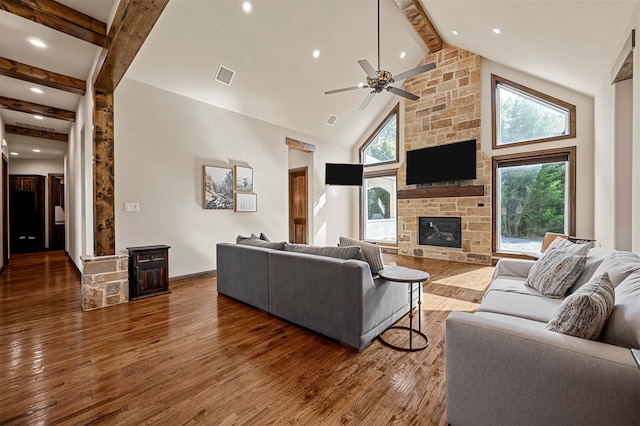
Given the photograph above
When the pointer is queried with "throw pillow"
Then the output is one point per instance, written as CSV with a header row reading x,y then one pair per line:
x,y
619,265
623,327
336,252
256,242
569,247
372,253
585,312
550,237
555,272
264,237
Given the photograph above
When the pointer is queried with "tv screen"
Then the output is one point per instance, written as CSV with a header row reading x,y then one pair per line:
x,y
443,163
343,174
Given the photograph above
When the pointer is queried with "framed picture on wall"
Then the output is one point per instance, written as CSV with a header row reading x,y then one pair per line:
x,y
244,179
218,188
246,202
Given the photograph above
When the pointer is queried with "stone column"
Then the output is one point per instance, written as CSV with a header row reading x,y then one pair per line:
x,y
105,281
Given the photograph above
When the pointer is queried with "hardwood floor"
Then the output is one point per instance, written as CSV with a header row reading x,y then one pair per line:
x,y
193,357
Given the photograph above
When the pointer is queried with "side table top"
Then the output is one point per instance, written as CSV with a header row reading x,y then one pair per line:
x,y
403,275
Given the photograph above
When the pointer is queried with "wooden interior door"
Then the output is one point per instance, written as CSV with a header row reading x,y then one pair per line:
x,y
298,206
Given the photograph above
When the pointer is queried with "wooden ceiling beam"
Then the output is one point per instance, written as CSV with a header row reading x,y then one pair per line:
x,y
36,75
59,17
131,26
31,108
416,15
23,131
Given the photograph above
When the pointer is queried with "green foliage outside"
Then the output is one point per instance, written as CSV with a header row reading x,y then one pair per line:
x,y
378,203
523,119
383,147
533,200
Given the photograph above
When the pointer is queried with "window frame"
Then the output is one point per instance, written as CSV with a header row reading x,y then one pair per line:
x,y
394,112
544,98
363,200
533,157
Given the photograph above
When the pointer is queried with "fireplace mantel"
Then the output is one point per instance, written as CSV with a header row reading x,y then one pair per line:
x,y
442,192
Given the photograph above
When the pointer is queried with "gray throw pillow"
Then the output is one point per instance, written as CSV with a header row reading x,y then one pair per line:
x,y
623,327
584,313
257,242
337,252
568,246
555,272
372,253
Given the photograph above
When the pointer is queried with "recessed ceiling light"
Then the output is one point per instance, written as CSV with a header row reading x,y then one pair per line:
x,y
247,7
37,42
316,53
454,32
38,117
13,153
402,55
36,90
496,30
35,150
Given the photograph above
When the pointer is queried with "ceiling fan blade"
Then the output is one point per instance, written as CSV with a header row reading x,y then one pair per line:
x,y
366,66
403,93
415,71
366,101
346,89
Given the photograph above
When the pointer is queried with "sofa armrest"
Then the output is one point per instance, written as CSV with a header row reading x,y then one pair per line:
x,y
242,273
512,268
500,372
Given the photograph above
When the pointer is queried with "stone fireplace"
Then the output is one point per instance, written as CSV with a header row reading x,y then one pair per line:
x,y
440,231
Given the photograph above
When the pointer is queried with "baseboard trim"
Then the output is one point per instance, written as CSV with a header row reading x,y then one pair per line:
x,y
183,279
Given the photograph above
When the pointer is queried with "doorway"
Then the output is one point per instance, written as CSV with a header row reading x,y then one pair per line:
x,y
5,211
298,206
56,212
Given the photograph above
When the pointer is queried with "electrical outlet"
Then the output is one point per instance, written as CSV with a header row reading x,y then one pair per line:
x,y
131,207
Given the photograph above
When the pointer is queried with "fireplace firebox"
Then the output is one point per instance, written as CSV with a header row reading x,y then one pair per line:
x,y
440,231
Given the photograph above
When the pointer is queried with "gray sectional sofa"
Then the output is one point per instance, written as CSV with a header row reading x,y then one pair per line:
x,y
339,298
504,367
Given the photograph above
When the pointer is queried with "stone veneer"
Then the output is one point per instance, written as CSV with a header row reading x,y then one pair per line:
x,y
105,281
448,111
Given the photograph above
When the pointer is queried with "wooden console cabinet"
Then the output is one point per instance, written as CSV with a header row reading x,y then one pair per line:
x,y
148,271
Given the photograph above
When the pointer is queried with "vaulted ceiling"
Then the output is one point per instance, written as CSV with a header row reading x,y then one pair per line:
x,y
277,79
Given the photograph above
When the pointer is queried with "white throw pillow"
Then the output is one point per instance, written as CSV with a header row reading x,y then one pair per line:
x,y
568,246
584,313
371,252
555,272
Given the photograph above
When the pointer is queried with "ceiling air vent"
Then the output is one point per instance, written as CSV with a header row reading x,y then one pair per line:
x,y
331,120
225,75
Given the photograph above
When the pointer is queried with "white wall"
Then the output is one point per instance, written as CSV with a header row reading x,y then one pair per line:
x,y
162,142
623,163
607,187
584,140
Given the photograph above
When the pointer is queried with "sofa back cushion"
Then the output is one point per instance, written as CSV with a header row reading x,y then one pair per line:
x,y
555,272
372,253
328,251
623,327
584,313
619,265
594,258
257,242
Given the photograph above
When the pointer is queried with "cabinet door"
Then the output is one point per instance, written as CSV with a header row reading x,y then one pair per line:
x,y
152,277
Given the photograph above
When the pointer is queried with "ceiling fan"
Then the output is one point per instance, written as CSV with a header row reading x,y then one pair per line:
x,y
381,80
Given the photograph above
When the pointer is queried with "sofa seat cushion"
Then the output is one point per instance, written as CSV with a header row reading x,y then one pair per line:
x,y
623,327
584,313
328,251
511,320
528,306
555,272
512,285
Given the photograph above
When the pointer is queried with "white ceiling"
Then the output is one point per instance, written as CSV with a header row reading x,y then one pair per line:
x,y
277,79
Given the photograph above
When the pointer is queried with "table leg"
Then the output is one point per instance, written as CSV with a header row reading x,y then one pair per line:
x,y
410,316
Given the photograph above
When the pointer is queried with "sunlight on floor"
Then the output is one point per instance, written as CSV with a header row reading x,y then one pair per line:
x,y
473,280
432,302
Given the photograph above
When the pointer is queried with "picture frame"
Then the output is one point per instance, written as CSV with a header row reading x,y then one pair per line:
x,y
218,186
243,179
246,202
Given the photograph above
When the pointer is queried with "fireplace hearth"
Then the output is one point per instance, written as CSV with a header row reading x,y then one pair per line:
x,y
440,231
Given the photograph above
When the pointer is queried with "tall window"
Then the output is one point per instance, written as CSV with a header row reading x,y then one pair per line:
x,y
379,208
522,115
534,193
382,145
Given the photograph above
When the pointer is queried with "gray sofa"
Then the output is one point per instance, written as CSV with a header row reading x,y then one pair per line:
x,y
338,298
504,368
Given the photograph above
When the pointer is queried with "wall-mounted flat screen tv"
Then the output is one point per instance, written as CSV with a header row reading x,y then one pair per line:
x,y
442,163
343,174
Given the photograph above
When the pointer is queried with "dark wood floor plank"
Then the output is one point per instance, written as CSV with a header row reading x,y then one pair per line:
x,y
194,357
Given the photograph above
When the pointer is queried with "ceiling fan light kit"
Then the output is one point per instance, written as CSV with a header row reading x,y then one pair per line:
x,y
381,79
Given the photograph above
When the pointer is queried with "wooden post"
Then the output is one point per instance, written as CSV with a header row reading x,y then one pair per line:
x,y
103,176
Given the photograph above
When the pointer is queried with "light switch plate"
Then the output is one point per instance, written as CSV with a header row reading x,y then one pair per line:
x,y
131,207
